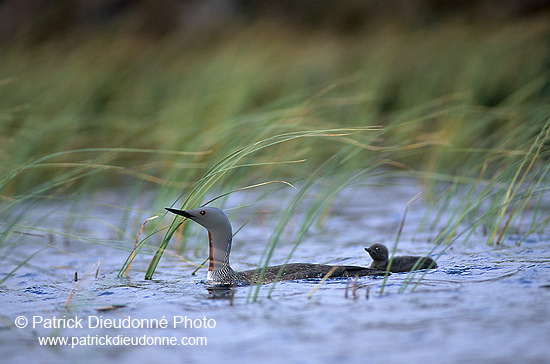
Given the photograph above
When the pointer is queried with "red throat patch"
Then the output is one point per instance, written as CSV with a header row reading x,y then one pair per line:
x,y
211,253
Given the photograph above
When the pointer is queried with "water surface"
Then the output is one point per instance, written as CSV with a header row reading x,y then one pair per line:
x,y
484,304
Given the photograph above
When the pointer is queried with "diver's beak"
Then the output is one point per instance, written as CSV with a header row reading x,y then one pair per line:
x,y
179,212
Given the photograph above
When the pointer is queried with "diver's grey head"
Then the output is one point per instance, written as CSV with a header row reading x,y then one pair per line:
x,y
212,218
378,251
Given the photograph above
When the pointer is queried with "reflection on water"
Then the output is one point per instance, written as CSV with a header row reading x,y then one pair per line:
x,y
222,292
483,303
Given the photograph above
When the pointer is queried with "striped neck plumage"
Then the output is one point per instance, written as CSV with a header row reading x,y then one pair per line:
x,y
219,269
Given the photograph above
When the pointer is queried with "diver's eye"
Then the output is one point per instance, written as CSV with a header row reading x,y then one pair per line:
x,y
202,212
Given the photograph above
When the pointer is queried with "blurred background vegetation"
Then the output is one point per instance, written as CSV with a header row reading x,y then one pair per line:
x,y
161,90
134,105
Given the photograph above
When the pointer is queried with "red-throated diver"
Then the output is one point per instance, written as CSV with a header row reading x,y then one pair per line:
x,y
379,254
220,272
